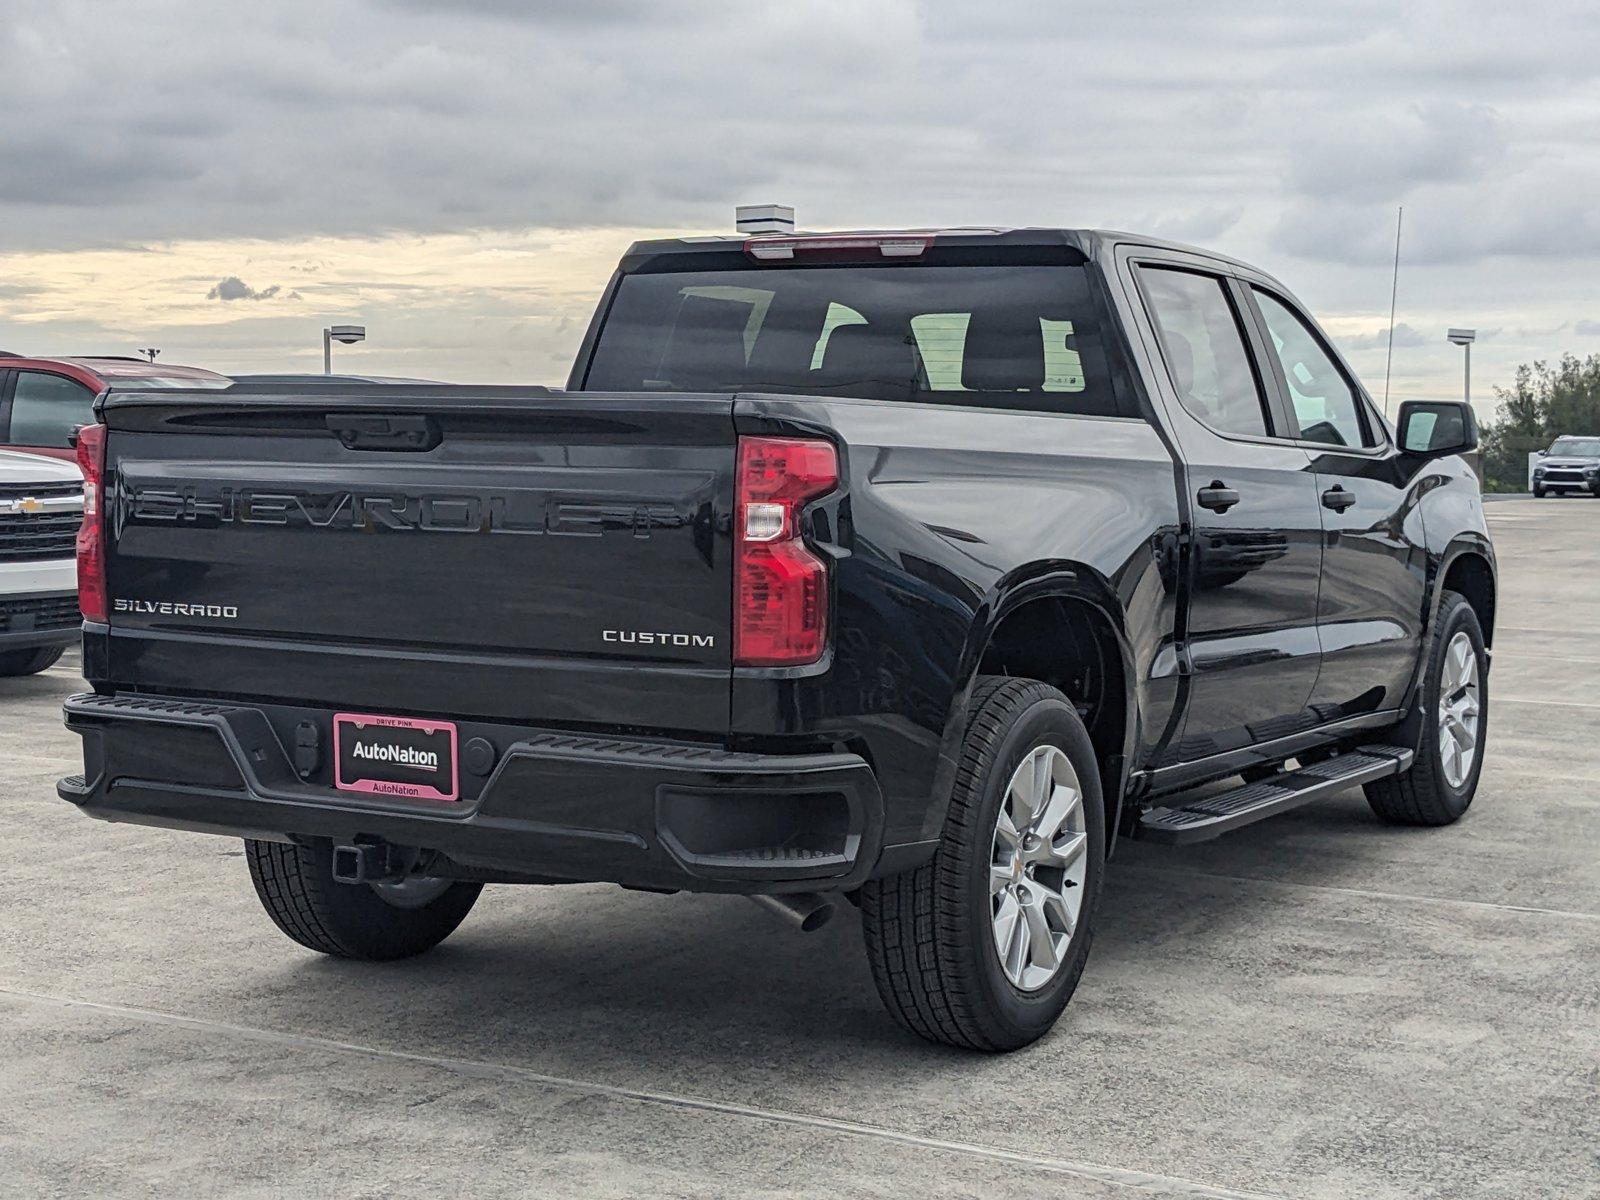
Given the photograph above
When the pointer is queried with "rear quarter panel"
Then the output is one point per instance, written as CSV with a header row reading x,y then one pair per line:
x,y
944,514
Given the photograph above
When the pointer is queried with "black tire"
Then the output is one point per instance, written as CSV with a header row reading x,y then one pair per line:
x,y
1422,795
297,888
29,662
929,931
1538,493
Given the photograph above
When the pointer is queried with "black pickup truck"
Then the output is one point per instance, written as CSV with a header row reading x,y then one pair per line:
x,y
904,567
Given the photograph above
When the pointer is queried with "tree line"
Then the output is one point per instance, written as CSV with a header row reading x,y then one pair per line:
x,y
1543,402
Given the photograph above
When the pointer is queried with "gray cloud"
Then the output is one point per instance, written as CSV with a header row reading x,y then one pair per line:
x,y
1396,155
1405,337
1587,328
1286,134
232,287
361,116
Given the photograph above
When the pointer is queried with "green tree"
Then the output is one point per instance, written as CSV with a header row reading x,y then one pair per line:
x,y
1543,402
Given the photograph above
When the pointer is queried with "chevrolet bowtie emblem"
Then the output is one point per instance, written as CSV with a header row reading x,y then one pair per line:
x,y
28,504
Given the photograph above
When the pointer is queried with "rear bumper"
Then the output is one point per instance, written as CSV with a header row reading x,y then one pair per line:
x,y
555,805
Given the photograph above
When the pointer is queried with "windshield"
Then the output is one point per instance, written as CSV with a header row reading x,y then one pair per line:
x,y
1577,447
999,336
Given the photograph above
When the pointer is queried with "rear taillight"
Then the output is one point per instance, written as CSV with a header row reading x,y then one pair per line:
x,y
780,597
91,534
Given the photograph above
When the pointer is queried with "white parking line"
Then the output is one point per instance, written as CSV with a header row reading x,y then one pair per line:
x,y
477,1069
1366,893
1534,700
1540,629
1500,654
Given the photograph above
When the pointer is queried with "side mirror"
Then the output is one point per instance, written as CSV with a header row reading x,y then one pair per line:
x,y
1544,453
1435,428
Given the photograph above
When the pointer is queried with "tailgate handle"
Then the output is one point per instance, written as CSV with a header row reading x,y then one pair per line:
x,y
376,432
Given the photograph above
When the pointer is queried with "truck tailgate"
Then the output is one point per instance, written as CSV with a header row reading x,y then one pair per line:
x,y
501,553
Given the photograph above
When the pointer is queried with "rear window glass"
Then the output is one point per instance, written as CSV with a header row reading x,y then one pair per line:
x,y
1024,337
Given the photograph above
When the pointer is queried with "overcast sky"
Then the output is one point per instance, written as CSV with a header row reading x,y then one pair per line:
x,y
222,180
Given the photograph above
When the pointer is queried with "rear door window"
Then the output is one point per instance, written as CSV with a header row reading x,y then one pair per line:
x,y
1203,343
46,409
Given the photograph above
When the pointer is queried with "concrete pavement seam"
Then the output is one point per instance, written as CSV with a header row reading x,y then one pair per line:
x,y
478,1069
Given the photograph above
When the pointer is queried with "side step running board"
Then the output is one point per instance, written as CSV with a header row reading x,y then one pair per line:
x,y
1204,818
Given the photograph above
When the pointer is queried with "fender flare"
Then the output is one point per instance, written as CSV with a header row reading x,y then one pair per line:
x,y
1048,580
1463,545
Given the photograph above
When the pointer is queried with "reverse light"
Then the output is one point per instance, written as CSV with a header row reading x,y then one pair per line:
x,y
780,599
92,600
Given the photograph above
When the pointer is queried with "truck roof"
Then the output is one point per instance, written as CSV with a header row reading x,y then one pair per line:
x,y
1089,242
99,371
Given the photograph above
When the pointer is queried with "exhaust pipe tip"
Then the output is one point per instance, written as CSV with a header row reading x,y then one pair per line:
x,y
806,911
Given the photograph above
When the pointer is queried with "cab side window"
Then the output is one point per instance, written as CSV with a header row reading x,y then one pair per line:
x,y
46,409
1325,402
1203,343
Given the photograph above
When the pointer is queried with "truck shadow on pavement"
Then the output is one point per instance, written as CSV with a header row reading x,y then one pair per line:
x,y
686,982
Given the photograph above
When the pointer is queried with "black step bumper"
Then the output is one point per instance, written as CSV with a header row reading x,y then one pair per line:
x,y
556,805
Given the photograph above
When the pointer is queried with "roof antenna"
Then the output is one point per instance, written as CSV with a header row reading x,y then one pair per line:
x,y
1394,292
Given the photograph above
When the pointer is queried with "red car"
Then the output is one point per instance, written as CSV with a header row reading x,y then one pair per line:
x,y
44,400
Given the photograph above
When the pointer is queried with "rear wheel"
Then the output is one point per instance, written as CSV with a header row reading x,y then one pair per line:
x,y
373,921
1443,777
983,947
29,662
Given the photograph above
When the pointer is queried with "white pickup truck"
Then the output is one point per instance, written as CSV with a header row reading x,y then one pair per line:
x,y
41,506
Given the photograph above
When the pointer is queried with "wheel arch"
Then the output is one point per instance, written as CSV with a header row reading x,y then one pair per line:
x,y
1468,569
1060,622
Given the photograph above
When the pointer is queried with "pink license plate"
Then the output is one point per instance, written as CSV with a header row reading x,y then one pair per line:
x,y
395,756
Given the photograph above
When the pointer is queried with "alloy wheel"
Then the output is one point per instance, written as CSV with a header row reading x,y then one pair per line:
x,y
1459,706
1038,864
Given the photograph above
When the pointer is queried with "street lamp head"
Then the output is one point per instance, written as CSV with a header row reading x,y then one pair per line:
x,y
347,334
1461,337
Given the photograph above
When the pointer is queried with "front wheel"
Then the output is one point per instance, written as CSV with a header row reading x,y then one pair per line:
x,y
374,921
1443,777
983,947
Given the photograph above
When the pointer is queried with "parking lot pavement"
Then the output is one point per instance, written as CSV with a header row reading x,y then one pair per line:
x,y
1318,1006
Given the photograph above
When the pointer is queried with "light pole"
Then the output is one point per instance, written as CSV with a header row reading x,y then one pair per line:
x,y
347,335
1464,338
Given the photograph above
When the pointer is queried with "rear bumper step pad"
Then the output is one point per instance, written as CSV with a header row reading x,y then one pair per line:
x,y
1197,820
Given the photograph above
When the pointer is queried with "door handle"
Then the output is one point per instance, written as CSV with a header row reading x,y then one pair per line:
x,y
1219,497
1337,498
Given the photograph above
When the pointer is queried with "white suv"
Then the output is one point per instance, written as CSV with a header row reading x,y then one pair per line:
x,y
41,506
